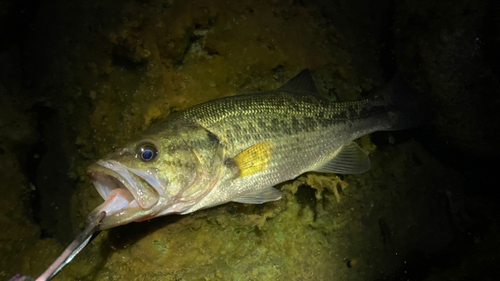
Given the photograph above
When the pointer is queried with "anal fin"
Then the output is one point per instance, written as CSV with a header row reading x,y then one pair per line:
x,y
349,159
260,196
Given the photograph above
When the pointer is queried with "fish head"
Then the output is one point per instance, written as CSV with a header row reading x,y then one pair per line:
x,y
160,174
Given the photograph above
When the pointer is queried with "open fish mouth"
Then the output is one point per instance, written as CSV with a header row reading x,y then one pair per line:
x,y
123,187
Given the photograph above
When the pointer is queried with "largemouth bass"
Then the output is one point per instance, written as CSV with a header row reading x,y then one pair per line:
x,y
237,148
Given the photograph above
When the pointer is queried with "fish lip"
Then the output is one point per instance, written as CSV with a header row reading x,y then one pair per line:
x,y
108,175
105,180
117,198
122,191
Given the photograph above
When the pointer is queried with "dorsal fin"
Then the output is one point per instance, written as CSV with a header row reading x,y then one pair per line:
x,y
301,83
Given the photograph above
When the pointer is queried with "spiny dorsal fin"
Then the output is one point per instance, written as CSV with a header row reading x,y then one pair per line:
x,y
349,159
302,83
253,159
260,196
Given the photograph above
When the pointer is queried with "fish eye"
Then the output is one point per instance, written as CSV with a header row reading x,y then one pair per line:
x,y
147,152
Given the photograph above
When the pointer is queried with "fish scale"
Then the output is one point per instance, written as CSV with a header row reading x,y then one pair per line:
x,y
245,112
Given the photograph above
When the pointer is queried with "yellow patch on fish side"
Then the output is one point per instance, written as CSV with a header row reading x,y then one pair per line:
x,y
254,159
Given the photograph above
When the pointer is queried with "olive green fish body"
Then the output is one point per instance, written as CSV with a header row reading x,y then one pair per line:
x,y
236,149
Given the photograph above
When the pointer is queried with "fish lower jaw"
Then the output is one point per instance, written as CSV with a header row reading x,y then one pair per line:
x,y
180,208
118,199
120,208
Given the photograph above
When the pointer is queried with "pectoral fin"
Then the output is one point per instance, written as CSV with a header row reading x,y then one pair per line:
x,y
260,196
253,159
349,159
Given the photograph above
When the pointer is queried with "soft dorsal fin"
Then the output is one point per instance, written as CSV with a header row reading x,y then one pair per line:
x,y
349,159
302,83
260,196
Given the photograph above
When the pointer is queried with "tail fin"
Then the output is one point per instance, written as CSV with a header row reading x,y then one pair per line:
x,y
406,107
